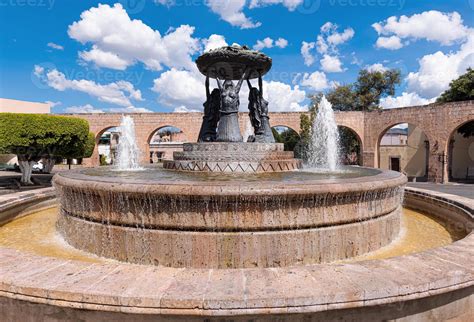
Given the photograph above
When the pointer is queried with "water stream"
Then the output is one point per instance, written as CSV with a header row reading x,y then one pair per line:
x,y
128,152
324,145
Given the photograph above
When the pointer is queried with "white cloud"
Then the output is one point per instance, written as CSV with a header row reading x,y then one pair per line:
x,y
83,109
290,4
392,43
185,91
232,12
439,69
118,41
180,88
38,71
376,68
326,44
184,109
214,41
331,64
445,28
55,46
281,42
316,81
335,38
306,48
119,93
129,109
104,58
88,108
270,43
53,104
406,99
282,97
265,43
355,60
330,38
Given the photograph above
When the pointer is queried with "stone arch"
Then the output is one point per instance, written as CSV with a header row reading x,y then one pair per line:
x,y
382,129
288,119
156,129
358,160
459,165
414,153
99,133
289,136
285,126
96,155
156,152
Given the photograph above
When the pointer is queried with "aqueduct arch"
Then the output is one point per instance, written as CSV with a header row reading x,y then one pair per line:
x,y
460,152
437,121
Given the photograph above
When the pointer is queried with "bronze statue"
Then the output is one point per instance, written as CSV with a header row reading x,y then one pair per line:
x,y
208,132
228,129
258,113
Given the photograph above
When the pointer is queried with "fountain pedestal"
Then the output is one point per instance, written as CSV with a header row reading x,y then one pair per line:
x,y
233,158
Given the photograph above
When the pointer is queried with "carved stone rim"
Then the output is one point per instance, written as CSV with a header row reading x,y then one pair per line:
x,y
385,179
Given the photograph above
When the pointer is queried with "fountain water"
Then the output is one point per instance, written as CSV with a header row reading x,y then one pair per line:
x,y
128,151
324,145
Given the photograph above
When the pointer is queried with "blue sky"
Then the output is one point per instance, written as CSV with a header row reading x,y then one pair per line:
x,y
137,55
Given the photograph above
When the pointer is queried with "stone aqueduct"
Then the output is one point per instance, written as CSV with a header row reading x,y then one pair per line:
x,y
437,121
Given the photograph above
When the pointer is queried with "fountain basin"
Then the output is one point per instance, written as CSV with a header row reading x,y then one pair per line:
x,y
430,285
229,223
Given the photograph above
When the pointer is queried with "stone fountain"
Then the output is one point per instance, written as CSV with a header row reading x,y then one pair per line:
x,y
234,231
247,216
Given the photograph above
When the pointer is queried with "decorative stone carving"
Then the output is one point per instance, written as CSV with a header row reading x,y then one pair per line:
x,y
233,157
228,129
208,132
230,62
258,113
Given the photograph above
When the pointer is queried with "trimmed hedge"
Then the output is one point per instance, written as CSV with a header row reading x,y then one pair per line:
x,y
37,135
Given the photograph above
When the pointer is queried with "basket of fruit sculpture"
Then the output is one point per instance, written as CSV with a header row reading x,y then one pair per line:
x,y
230,62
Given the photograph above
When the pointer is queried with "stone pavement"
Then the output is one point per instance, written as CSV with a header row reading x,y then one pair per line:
x,y
462,190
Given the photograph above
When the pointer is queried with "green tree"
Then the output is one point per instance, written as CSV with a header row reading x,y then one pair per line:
x,y
349,146
370,87
342,98
37,136
288,137
276,135
460,89
306,120
366,92
79,151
